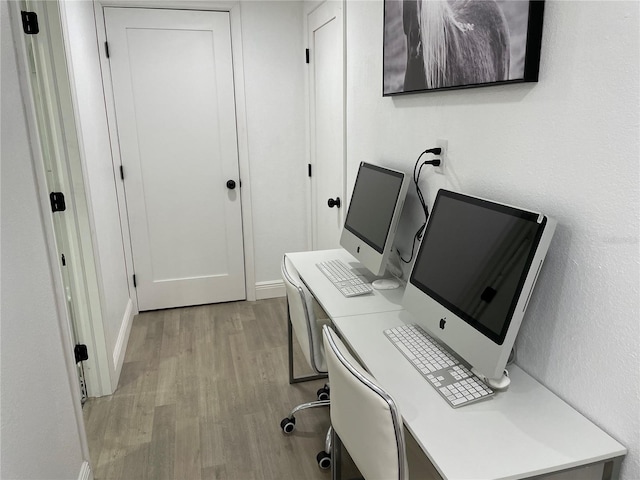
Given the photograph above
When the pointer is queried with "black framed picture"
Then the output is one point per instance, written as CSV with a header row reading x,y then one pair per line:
x,y
448,44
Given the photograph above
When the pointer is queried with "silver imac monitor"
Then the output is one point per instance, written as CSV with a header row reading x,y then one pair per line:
x,y
372,218
473,277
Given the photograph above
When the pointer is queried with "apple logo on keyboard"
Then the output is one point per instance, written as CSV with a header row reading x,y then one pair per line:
x,y
443,321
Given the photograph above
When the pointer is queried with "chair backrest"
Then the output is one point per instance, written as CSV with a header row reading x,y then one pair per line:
x,y
306,324
364,415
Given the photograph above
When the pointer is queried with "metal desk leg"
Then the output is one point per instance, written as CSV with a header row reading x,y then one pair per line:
x,y
611,470
293,379
336,456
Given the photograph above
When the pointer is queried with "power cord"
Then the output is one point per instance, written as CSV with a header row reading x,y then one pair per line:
x,y
417,170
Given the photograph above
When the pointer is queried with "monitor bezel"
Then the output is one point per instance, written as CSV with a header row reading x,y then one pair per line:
x,y
394,173
505,209
364,250
478,350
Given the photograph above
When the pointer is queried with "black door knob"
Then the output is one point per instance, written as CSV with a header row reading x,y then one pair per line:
x,y
231,184
334,203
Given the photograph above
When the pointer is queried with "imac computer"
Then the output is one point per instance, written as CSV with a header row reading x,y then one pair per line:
x,y
473,277
373,215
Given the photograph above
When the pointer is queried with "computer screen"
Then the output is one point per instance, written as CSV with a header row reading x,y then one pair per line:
x,y
372,218
474,274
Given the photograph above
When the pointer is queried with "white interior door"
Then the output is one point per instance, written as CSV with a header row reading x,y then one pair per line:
x,y
172,79
326,106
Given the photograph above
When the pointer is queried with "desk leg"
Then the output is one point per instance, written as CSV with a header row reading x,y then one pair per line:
x,y
336,456
611,470
293,379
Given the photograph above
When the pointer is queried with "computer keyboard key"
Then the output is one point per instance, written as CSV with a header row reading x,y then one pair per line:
x,y
452,379
345,280
407,353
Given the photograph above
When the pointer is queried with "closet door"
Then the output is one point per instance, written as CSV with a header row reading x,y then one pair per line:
x,y
172,78
326,106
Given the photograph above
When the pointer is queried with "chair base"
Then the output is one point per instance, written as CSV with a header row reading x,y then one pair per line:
x,y
288,424
324,460
324,457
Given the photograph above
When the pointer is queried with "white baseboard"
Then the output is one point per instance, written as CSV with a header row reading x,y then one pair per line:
x,y
85,472
123,338
271,289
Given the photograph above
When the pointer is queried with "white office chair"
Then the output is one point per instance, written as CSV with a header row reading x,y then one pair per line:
x,y
306,319
364,416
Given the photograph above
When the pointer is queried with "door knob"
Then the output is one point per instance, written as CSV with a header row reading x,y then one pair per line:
x,y
334,203
231,184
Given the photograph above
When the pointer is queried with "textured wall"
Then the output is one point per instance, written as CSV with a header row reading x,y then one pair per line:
x,y
567,146
274,81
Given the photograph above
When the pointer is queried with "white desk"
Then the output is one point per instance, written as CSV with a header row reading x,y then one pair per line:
x,y
329,297
524,432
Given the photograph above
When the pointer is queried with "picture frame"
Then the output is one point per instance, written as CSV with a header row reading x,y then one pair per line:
x,y
433,45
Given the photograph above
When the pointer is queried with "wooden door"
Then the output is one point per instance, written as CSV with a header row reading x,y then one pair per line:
x,y
326,105
172,78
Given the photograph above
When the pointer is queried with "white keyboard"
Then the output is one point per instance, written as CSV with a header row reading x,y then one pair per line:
x,y
444,372
349,284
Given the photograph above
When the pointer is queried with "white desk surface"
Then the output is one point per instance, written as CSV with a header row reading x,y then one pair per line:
x,y
329,297
523,432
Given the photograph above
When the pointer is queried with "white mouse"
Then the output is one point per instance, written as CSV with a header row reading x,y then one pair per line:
x,y
385,284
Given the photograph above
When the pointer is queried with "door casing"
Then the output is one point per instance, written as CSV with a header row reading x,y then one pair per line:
x,y
317,203
187,246
81,265
233,7
61,315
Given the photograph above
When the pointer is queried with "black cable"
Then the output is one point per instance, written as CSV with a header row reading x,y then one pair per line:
x,y
417,170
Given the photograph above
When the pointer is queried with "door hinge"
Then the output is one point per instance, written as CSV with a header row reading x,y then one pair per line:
x,y
30,22
106,49
64,260
135,284
121,172
307,55
57,202
81,353
309,169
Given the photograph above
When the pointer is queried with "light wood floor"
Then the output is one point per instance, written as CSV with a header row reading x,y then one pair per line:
x,y
201,396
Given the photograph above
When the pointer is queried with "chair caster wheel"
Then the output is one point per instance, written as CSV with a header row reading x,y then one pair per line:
x,y
324,460
323,393
288,425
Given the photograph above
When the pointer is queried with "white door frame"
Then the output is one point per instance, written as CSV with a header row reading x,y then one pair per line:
x,y
98,374
62,315
310,7
233,7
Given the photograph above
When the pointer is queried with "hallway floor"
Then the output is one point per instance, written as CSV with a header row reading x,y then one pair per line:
x,y
201,396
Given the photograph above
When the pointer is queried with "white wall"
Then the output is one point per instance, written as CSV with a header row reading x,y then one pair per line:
x,y
567,146
41,434
274,65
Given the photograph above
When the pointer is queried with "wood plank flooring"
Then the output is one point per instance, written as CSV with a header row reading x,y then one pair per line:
x,y
201,396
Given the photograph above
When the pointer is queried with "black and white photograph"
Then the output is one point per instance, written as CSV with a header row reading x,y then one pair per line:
x,y
448,44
